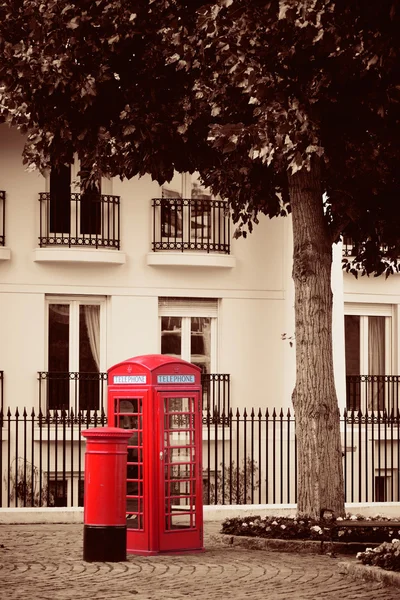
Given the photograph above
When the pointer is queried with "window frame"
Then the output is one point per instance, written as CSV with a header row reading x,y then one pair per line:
x,y
364,311
186,309
75,302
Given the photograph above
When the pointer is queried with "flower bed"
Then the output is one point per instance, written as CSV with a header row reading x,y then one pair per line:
x,y
333,530
386,556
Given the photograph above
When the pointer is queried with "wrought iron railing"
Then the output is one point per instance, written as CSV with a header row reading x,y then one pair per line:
x,y
216,393
2,218
72,390
349,247
252,460
373,392
191,224
86,220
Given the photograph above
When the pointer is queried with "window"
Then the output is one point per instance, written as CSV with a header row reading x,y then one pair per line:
x,y
189,217
189,330
81,211
368,358
75,351
196,213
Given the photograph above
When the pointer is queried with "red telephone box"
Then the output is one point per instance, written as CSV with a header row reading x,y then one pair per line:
x,y
159,399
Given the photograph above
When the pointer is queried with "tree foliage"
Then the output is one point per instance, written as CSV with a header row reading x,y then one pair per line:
x,y
259,87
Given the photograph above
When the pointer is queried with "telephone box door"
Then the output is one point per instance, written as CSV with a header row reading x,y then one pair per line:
x,y
131,412
180,476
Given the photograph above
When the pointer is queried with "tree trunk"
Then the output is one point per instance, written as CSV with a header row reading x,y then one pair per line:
x,y
319,454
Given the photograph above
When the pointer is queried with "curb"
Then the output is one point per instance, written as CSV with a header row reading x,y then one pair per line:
x,y
300,546
368,573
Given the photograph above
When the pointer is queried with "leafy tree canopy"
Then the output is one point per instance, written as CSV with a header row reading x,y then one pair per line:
x,y
248,92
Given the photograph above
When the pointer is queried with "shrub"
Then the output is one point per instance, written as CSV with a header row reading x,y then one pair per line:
x,y
233,485
307,529
386,556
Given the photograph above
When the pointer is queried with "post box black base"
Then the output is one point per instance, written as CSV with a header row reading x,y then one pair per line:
x,y
104,543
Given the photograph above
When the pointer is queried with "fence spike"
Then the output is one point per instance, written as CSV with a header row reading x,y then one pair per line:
x,y
267,414
9,413
288,413
17,413
259,413
245,414
24,414
252,413
237,413
274,414
281,414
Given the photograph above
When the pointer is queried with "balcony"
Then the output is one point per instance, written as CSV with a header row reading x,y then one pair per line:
x,y
75,391
194,227
79,228
377,393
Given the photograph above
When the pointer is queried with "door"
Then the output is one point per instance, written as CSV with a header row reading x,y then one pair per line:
x,y
180,476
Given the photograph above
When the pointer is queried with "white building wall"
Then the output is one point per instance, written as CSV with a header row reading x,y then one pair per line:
x,y
253,294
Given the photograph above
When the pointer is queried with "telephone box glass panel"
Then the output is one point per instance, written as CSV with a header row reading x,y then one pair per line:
x,y
129,415
179,463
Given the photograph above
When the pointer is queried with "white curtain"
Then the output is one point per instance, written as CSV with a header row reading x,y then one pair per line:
x,y
376,361
59,313
92,319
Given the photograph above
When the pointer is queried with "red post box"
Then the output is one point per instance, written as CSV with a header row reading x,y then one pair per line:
x,y
158,398
104,533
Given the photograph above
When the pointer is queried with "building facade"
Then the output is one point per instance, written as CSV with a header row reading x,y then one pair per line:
x,y
89,278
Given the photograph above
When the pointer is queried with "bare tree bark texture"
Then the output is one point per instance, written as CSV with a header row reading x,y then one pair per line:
x,y
319,458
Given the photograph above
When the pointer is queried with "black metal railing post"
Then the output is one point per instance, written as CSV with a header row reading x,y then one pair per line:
x,y
2,218
1,397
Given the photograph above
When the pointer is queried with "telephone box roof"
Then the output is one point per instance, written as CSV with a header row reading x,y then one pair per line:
x,y
153,361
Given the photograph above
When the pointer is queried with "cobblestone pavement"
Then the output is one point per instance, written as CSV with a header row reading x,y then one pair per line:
x,y
44,562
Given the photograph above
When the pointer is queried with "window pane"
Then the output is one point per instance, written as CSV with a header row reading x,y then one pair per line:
x,y
171,218
198,190
60,200
200,342
171,336
89,356
352,344
58,356
174,188
376,345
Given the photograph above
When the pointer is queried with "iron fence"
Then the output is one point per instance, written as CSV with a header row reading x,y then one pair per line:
x,y
2,218
88,219
191,224
248,457
42,457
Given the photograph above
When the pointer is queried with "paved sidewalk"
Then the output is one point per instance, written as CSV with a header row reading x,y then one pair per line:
x,y
44,562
